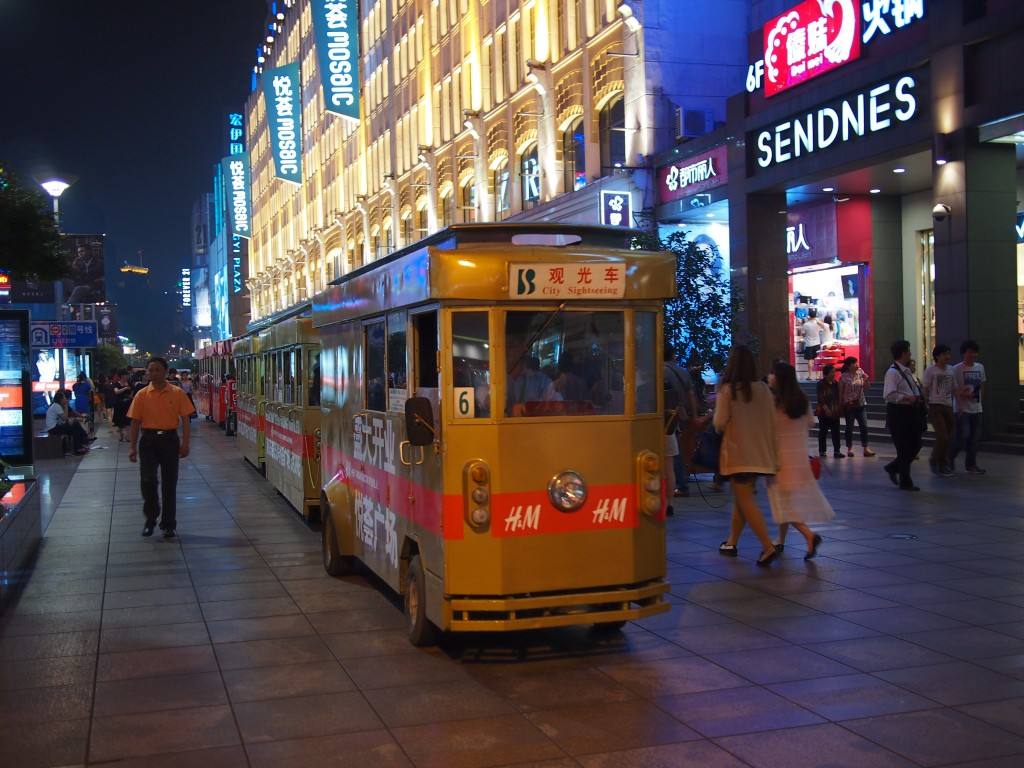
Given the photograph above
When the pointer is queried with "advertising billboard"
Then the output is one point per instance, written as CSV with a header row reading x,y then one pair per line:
x,y
15,389
336,27
86,283
282,94
236,193
693,175
808,40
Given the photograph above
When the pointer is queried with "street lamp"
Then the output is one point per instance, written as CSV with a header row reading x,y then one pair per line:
x,y
55,188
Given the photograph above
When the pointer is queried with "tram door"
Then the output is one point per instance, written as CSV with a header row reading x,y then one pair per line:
x,y
424,465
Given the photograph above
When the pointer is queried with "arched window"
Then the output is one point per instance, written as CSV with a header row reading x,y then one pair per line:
x,y
448,210
611,127
502,192
574,157
529,178
407,233
469,201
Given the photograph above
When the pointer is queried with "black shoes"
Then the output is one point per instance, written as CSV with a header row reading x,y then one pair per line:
x,y
147,529
815,543
767,559
729,550
910,487
169,533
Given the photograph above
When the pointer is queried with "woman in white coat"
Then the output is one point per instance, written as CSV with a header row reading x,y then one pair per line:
x,y
743,414
793,493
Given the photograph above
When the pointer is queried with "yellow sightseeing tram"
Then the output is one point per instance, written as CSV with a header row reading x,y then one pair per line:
x,y
491,427
279,408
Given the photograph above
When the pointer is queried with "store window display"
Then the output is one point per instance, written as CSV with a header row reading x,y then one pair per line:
x,y
834,298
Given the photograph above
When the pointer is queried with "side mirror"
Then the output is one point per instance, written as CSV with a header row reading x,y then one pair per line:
x,y
419,421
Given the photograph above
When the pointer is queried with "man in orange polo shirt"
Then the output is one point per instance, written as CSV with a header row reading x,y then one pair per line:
x,y
155,412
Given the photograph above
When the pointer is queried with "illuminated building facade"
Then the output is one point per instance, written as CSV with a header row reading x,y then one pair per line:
x,y
473,111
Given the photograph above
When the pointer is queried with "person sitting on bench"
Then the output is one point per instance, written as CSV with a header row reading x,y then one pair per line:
x,y
59,423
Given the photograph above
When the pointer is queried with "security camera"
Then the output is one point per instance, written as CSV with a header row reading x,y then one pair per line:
x,y
940,212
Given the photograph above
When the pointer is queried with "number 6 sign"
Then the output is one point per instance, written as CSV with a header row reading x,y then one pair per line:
x,y
465,403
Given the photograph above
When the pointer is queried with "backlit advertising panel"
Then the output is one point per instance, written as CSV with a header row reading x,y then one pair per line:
x,y
693,175
336,26
282,94
237,193
809,40
15,388
87,281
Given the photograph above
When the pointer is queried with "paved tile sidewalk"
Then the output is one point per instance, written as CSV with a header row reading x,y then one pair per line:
x,y
901,645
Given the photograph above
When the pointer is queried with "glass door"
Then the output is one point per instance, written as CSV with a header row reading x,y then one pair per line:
x,y
926,282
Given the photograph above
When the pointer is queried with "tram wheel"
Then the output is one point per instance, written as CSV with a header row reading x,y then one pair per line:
x,y
335,563
421,631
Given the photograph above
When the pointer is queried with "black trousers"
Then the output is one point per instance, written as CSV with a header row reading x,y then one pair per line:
x,y
906,437
827,424
852,415
75,431
159,451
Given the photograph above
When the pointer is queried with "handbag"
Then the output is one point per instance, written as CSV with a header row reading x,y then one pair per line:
x,y
920,406
707,449
815,467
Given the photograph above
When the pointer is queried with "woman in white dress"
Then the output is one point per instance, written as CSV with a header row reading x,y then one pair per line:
x,y
793,492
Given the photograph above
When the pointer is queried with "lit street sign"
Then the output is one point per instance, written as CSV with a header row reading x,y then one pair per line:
x,y
336,26
282,94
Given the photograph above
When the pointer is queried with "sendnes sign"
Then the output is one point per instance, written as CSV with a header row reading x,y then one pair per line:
x,y
809,40
857,115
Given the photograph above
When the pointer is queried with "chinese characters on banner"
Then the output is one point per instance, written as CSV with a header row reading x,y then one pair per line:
x,y
282,97
336,26
599,280
817,36
693,175
809,40
236,182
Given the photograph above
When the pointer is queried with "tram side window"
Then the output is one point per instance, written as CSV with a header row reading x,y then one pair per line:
x,y
298,377
314,378
375,372
564,363
425,325
471,365
646,327
397,373
288,371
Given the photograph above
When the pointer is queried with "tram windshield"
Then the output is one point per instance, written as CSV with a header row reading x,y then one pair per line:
x,y
564,363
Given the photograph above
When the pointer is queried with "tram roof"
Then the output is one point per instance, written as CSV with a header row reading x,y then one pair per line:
x,y
471,262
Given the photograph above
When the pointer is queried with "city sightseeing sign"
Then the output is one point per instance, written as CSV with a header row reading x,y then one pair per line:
x,y
282,89
817,36
336,28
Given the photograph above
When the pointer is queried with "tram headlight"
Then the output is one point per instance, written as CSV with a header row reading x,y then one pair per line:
x,y
649,483
567,491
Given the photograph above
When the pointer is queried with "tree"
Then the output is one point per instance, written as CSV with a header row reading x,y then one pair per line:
x,y
30,243
701,321
107,359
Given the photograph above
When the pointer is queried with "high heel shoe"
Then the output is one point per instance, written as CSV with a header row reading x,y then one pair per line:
x,y
815,543
767,559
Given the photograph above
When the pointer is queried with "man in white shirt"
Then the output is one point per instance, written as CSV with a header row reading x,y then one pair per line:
x,y
811,331
903,403
938,388
58,423
968,388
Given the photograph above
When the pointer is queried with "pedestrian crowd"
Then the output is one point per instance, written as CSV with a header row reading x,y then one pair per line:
x,y
758,429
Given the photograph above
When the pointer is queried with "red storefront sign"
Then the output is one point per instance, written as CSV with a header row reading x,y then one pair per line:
x,y
693,175
808,40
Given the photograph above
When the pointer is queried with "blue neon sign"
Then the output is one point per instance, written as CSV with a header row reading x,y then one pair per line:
x,y
336,25
282,94
236,192
236,134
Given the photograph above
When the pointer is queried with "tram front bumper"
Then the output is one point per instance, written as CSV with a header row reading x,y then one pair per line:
x,y
556,609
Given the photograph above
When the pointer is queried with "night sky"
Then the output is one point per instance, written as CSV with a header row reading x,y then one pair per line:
x,y
131,97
